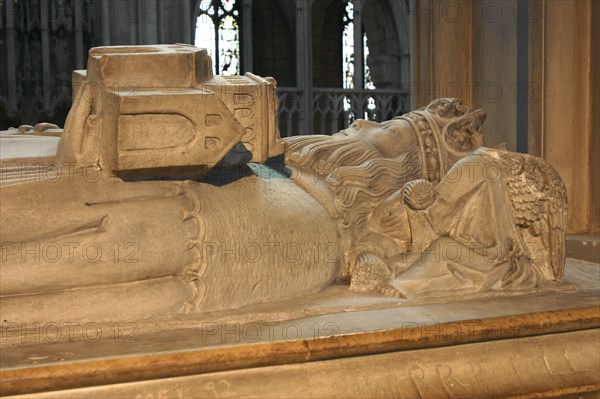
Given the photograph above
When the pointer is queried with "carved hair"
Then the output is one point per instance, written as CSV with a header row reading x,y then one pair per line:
x,y
358,175
360,188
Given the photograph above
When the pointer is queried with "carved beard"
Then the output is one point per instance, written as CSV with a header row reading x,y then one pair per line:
x,y
356,172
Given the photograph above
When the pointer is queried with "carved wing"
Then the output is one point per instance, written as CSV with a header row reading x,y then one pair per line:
x,y
539,201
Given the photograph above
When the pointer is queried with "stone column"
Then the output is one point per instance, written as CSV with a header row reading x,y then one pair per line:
x,y
147,29
105,23
304,72
246,44
134,20
79,53
186,9
161,31
412,83
563,101
359,57
44,17
494,82
10,57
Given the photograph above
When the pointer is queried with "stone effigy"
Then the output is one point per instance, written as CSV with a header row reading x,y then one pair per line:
x,y
423,209
166,198
168,243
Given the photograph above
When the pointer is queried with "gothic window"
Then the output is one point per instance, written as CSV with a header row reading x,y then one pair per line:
x,y
368,80
348,51
217,30
348,46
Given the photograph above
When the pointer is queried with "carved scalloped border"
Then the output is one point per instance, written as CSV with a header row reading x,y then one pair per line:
x,y
193,274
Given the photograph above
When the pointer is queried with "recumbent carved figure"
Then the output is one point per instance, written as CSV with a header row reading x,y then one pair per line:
x,y
414,207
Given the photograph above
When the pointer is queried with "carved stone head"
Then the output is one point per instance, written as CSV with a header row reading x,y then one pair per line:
x,y
444,131
361,166
447,131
